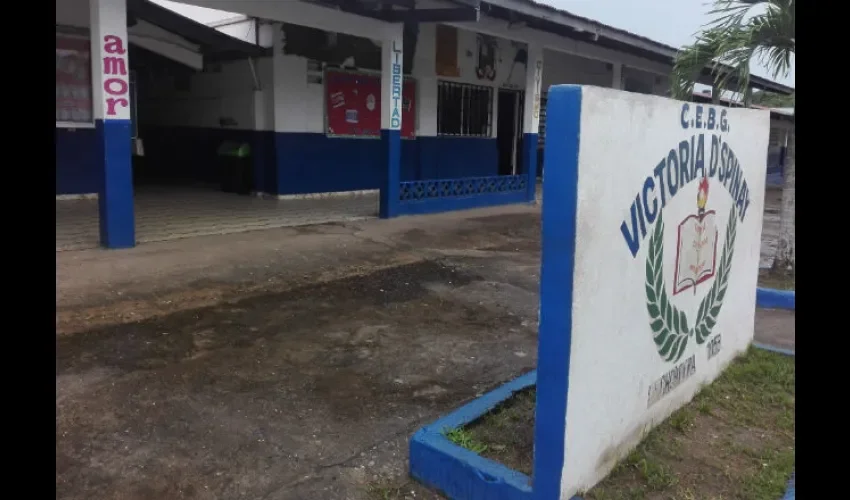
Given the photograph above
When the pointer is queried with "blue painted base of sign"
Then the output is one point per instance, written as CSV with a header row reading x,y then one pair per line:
x,y
463,475
769,298
791,491
459,473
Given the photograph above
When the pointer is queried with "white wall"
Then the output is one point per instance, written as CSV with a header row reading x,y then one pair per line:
x,y
615,364
560,68
212,95
301,107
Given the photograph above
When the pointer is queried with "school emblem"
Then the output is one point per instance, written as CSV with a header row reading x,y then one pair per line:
x,y
695,264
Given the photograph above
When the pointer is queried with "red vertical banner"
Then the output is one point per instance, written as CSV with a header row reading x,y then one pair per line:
x,y
408,110
353,104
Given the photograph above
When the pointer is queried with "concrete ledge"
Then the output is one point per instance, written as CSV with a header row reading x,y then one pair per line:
x,y
318,196
459,473
81,196
769,298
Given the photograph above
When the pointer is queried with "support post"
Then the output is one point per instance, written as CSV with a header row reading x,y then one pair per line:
x,y
617,79
111,111
392,78
715,94
531,117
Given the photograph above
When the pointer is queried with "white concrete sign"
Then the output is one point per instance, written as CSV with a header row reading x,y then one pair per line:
x,y
663,202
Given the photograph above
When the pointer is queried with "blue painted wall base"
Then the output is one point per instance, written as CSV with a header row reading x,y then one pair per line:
x,y
391,153
529,164
117,221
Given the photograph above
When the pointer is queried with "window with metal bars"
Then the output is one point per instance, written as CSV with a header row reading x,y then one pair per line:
x,y
464,109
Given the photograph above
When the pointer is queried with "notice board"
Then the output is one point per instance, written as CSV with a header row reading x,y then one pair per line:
x,y
353,102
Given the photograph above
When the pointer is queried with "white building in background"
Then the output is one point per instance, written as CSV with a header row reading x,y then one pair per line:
x,y
436,105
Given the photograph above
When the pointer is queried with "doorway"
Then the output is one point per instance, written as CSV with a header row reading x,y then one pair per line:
x,y
508,128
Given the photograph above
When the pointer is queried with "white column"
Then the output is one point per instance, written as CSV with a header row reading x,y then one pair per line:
x,y
531,116
392,79
111,110
533,83
110,68
617,79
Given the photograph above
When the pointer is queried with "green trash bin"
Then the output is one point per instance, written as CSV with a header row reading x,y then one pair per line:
x,y
235,169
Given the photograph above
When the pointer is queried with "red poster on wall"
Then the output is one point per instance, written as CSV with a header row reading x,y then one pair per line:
x,y
354,105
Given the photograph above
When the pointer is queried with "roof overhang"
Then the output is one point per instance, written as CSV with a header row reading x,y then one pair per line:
x,y
547,18
213,44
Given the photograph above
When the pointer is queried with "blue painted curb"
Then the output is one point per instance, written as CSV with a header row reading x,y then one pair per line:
x,y
462,474
791,491
770,298
778,350
459,473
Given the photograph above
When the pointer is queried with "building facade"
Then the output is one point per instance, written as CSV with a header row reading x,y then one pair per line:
x,y
434,108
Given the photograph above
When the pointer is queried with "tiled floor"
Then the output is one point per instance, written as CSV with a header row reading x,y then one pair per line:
x,y
172,213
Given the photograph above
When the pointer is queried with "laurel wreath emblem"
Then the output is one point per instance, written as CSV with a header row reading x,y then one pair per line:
x,y
670,327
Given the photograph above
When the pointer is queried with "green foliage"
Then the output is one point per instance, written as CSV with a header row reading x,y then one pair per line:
x,y
742,30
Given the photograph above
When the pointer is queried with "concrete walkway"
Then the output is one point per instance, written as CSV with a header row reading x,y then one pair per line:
x,y
288,363
284,364
170,213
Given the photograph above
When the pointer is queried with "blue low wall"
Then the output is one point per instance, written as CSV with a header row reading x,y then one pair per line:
x,y
284,163
443,195
76,164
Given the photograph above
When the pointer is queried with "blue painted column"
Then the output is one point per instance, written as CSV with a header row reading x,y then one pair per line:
x,y
111,110
531,117
392,78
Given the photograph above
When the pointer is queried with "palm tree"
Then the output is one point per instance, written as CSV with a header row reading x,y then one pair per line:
x,y
744,30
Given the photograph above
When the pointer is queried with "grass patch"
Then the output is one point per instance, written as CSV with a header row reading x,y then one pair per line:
x,y
777,281
735,440
505,435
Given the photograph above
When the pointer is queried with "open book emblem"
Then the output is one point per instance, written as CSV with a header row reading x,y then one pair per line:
x,y
696,247
696,261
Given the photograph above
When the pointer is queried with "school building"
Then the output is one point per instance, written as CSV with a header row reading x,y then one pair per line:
x,y
299,112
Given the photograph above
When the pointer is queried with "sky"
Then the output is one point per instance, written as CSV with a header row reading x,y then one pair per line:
x,y
673,22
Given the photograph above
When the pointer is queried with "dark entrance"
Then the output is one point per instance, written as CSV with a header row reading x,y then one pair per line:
x,y
509,127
